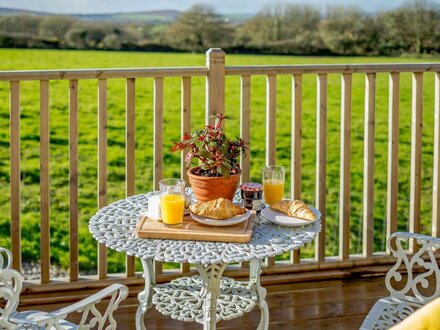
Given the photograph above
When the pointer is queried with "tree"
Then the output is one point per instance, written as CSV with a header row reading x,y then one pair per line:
x,y
349,31
414,27
55,27
290,29
25,25
198,29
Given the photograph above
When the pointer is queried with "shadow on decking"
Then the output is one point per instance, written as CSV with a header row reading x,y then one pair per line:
x,y
324,304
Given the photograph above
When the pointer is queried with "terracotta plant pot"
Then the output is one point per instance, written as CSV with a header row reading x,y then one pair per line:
x,y
207,188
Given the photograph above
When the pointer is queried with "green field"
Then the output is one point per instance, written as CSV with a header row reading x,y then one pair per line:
x,y
36,59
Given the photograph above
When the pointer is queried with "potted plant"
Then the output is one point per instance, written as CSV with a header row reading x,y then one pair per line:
x,y
218,172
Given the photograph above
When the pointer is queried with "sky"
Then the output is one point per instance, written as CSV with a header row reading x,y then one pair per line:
x,y
223,6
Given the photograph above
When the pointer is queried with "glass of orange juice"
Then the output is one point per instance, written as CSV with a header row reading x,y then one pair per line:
x,y
172,201
273,184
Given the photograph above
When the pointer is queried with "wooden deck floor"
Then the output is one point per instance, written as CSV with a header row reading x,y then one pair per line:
x,y
328,304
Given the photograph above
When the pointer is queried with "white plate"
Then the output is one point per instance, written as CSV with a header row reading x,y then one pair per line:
x,y
221,223
282,219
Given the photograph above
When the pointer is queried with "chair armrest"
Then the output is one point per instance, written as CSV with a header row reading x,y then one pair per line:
x,y
86,307
406,236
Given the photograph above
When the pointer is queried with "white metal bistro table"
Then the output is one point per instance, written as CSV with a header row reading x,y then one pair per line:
x,y
206,298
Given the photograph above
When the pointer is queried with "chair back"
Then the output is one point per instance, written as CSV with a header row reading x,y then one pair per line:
x,y
416,276
11,283
5,258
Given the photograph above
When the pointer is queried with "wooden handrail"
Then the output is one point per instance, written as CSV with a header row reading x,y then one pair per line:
x,y
102,73
331,68
21,75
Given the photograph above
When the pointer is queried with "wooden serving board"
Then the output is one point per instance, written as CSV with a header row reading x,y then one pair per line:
x,y
193,231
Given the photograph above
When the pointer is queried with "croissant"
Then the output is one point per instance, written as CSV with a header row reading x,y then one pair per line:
x,y
218,209
294,208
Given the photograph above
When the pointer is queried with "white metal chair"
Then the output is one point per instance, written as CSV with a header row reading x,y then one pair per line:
x,y
11,283
406,294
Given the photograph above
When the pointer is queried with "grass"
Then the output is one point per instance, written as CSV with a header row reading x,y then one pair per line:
x,y
39,59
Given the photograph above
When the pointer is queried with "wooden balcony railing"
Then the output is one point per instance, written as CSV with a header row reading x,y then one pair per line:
x,y
216,73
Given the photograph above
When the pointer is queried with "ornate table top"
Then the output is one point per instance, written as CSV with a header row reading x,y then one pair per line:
x,y
115,224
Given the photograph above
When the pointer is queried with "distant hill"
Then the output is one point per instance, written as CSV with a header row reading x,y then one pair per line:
x,y
158,16
12,11
153,17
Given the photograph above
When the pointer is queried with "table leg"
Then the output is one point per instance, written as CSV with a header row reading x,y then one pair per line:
x,y
254,277
211,275
145,297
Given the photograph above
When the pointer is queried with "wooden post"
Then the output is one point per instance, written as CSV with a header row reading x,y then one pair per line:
x,y
215,82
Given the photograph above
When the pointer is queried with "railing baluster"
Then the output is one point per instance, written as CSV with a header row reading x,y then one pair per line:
x,y
436,174
158,141
186,120
158,131
271,117
416,155
185,129
344,199
296,148
15,173
185,267
73,178
393,153
321,160
368,198
44,183
102,167
245,132
158,267
245,125
130,126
